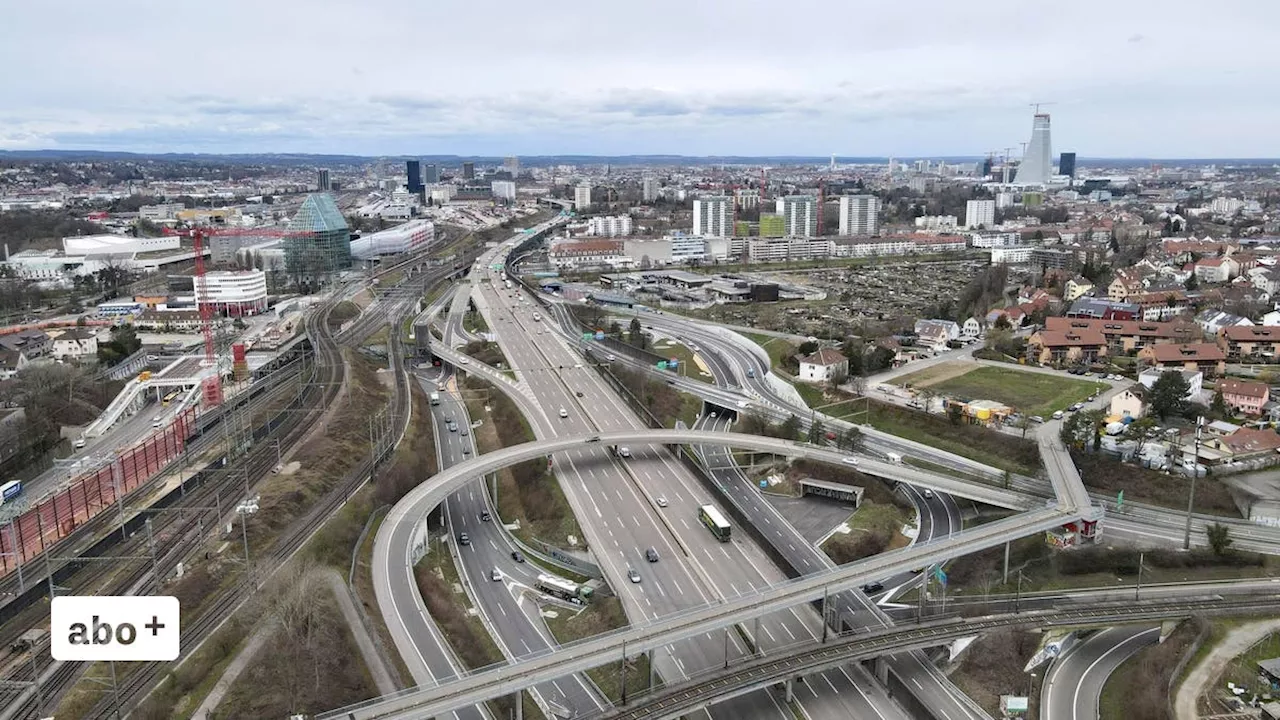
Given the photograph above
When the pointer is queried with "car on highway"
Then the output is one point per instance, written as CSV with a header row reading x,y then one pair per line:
x,y
610,357
928,494
453,427
849,460
464,539
495,575
464,361
651,555
564,413
662,501
633,576
624,452
485,516
517,556
872,587
466,450
464,432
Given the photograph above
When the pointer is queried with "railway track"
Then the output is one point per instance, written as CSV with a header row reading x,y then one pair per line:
x,y
184,535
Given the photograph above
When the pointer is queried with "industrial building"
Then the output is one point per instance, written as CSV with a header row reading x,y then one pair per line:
x,y
318,245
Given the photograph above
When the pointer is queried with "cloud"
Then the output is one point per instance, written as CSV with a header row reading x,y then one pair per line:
x,y
1136,38
409,102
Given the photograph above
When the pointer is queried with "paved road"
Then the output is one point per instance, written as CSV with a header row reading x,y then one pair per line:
x,y
1073,684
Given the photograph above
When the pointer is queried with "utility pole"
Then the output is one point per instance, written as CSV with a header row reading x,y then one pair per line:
x,y
1138,588
1195,473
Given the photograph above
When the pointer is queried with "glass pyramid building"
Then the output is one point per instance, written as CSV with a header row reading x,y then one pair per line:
x,y
318,245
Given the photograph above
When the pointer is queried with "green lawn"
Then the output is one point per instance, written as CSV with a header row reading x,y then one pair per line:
x,y
1029,393
776,347
681,352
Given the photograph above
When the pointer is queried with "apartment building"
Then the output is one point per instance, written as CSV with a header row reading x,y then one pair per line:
x,y
1251,343
1127,336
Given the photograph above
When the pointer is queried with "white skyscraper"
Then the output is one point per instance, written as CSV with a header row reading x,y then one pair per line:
x,y
713,216
650,189
582,197
512,165
800,214
980,212
504,189
859,215
1037,161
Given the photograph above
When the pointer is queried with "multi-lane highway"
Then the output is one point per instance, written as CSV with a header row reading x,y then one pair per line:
x,y
1073,684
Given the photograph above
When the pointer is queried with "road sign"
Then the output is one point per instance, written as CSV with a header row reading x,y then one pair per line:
x,y
599,334
673,362
586,336
941,575
662,364
1119,500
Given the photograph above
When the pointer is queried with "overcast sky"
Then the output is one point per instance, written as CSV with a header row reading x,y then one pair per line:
x,y
1128,78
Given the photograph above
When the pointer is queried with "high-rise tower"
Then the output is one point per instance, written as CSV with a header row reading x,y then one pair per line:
x,y
1037,162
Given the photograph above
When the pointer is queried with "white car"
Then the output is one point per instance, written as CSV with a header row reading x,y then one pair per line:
x,y
632,575
662,501
849,460
564,413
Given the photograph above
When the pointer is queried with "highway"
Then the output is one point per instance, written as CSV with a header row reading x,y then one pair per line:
x,y
1073,684
802,659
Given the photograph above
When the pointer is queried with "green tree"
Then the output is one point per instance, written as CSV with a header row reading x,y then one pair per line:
x,y
852,438
1192,282
636,334
1169,394
1008,479
790,427
1219,536
954,413
816,431
807,347
1218,406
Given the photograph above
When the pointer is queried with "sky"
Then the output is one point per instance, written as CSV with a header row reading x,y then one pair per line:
x,y
1127,78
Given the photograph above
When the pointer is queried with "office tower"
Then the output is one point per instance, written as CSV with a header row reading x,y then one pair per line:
x,y
832,166
713,216
413,173
322,181
512,165
980,213
987,165
468,171
859,215
649,189
1067,165
431,174
318,241
800,213
582,197
1037,159
504,189
893,166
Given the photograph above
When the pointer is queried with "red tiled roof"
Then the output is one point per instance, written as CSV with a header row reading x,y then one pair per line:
x,y
1071,338
1198,352
1244,388
824,357
1251,440
1138,328
1252,333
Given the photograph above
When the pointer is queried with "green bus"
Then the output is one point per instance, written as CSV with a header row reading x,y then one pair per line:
x,y
715,522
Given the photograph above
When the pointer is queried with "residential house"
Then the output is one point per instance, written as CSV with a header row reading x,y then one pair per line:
x,y
1077,287
1127,336
1066,347
972,328
34,344
1088,307
1244,396
1266,279
1207,358
1013,314
1256,343
75,344
1271,318
1245,443
1132,402
823,365
1195,382
1214,320
1121,288
1216,270
11,362
169,320
935,334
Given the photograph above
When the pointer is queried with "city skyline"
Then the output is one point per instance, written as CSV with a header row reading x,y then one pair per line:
x,y
668,81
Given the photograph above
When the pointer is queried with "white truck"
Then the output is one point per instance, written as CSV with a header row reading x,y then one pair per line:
x,y
894,457
435,398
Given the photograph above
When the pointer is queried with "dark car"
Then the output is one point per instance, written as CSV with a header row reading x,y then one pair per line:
x,y
872,587
464,539
651,555
485,516
517,556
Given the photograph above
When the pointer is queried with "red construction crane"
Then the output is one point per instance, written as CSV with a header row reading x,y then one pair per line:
x,y
212,385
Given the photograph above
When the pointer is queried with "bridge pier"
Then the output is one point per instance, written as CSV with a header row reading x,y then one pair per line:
x,y
881,669
1005,581
790,689
519,705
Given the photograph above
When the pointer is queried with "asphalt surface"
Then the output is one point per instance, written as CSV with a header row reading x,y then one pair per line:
x,y
1073,684
814,518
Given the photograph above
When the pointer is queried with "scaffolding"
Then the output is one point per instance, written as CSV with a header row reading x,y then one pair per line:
x,y
317,245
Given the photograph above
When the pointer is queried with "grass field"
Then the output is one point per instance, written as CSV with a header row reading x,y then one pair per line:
x,y
681,352
776,347
1029,393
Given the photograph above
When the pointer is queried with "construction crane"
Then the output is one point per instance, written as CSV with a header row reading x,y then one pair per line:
x,y
1038,105
211,386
